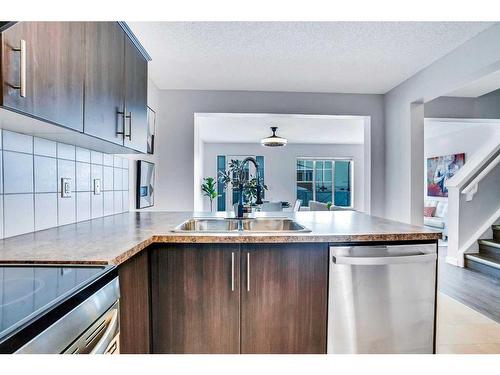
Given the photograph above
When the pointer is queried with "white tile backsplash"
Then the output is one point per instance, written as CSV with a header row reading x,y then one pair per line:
x,y
96,205
66,169
117,178
18,172
108,198
17,142
65,151
82,176
45,210
19,214
117,202
32,164
82,206
45,174
108,160
66,210
44,147
82,155
108,178
96,157
1,216
1,171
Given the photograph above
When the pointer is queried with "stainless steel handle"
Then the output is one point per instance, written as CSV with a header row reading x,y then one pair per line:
x,y
22,68
130,126
232,272
107,338
248,272
124,122
381,261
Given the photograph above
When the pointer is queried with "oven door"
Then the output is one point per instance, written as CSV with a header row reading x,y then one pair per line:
x,y
102,337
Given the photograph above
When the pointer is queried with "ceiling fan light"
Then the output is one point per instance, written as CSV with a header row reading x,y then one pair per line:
x,y
273,140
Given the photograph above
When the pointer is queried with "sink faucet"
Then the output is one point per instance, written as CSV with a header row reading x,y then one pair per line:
x,y
240,187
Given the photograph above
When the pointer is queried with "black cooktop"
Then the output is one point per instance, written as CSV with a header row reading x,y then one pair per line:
x,y
28,291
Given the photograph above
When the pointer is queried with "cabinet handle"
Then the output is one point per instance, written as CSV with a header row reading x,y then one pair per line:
x,y
232,271
124,123
22,68
130,126
248,272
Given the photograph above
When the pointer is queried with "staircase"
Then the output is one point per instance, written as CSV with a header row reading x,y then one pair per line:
x,y
488,259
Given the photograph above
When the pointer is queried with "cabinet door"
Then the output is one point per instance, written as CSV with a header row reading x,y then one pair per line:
x,y
284,298
104,87
196,298
136,97
54,71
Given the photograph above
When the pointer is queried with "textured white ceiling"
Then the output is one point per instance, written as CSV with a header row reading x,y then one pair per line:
x,y
300,129
349,57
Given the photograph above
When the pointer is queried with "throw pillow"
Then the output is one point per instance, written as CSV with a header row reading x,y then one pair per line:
x,y
429,211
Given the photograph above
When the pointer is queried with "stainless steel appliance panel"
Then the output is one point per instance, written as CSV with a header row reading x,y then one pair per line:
x,y
60,335
382,299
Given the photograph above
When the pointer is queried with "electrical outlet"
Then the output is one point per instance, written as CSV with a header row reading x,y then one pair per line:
x,y
97,186
65,187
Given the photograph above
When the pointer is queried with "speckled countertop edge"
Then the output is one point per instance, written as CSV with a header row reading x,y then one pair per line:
x,y
115,239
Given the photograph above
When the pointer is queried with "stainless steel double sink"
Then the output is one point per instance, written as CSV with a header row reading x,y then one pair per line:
x,y
225,225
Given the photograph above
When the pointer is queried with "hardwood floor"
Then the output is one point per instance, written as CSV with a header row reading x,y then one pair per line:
x,y
475,290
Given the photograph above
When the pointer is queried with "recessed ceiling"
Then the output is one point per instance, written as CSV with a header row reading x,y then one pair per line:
x,y
297,129
439,128
347,57
482,86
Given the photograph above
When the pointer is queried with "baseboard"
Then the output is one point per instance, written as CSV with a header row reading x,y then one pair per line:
x,y
453,261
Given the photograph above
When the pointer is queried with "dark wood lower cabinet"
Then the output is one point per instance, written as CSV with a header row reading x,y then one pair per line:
x,y
284,298
135,303
196,298
225,298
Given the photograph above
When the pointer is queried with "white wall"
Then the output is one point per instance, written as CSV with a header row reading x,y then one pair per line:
x,y
468,140
175,139
404,135
280,165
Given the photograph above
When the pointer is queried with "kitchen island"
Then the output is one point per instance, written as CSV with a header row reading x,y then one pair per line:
x,y
239,291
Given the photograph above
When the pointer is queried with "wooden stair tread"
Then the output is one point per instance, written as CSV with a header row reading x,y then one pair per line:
x,y
484,259
491,243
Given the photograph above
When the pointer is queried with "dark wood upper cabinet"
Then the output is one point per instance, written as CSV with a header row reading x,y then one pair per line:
x,y
86,76
104,81
284,298
52,64
196,298
136,94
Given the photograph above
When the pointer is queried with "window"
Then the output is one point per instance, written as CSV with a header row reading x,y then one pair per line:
x,y
324,180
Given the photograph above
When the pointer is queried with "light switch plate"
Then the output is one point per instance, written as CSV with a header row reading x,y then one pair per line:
x,y
65,187
97,186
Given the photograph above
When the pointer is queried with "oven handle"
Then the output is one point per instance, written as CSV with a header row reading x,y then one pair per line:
x,y
382,261
109,335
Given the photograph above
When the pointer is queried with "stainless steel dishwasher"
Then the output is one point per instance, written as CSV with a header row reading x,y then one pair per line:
x,y
382,298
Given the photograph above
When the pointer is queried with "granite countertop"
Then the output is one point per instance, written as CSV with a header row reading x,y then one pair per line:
x,y
114,239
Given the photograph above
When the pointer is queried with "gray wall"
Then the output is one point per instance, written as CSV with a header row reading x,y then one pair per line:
x,y
404,132
280,165
486,106
175,139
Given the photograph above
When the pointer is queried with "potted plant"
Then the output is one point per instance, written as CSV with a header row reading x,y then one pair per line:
x,y
231,177
209,189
